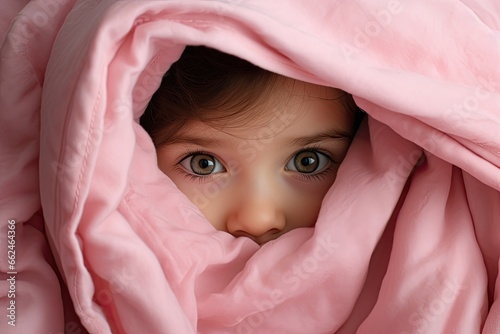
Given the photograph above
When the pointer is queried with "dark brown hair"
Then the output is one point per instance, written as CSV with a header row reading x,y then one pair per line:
x,y
209,86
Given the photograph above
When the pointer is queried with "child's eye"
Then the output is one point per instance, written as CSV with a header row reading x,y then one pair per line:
x,y
202,164
307,162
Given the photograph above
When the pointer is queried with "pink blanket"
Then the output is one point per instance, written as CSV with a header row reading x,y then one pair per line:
x,y
408,237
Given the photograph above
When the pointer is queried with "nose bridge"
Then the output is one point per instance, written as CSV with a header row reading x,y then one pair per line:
x,y
259,208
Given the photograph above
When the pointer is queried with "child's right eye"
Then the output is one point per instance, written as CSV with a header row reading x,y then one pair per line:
x,y
202,164
308,161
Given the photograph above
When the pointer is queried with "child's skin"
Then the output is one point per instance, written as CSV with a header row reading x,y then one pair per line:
x,y
271,173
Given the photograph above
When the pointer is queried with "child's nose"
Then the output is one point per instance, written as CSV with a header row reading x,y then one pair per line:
x,y
257,217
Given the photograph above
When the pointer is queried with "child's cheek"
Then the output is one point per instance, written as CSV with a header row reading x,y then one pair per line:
x,y
202,191
310,185
304,200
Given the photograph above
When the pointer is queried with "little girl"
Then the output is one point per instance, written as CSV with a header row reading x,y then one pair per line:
x,y
254,150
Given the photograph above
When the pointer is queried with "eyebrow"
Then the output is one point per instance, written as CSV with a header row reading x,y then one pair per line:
x,y
333,134
200,141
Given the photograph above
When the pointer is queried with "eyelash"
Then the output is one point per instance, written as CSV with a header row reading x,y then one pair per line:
x,y
318,149
308,177
318,176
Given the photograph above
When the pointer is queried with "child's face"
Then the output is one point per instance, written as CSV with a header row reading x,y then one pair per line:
x,y
269,176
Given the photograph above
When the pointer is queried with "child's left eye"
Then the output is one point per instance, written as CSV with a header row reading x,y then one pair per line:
x,y
308,162
202,164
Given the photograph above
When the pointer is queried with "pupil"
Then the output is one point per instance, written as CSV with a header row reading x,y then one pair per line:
x,y
204,163
307,161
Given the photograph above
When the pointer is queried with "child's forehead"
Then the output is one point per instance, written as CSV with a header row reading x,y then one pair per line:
x,y
280,102
274,102
295,106
298,89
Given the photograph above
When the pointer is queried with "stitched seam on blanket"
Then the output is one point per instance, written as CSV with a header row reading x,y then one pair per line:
x,y
90,320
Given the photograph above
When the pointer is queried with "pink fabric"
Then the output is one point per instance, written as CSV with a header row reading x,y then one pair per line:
x,y
403,244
